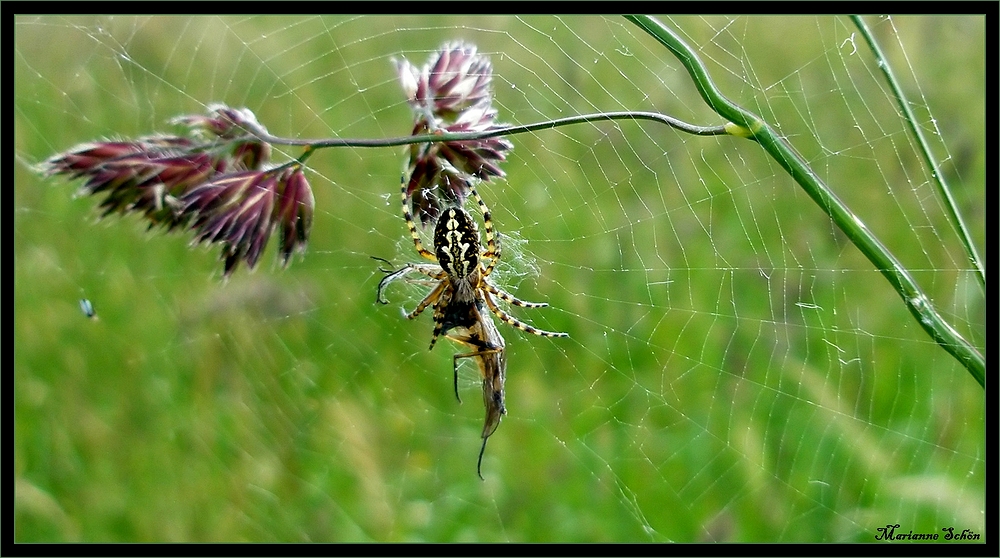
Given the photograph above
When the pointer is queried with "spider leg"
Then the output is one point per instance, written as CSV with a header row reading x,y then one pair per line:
x,y
411,225
430,270
492,238
432,298
512,321
511,299
438,326
444,298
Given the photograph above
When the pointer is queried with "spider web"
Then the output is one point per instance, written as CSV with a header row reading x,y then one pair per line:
x,y
736,371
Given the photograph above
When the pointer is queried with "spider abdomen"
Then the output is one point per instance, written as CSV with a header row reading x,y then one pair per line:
x,y
456,243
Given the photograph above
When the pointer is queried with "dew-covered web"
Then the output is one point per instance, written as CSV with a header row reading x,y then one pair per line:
x,y
736,369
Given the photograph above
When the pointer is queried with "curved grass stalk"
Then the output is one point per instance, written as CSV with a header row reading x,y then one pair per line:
x,y
760,131
313,144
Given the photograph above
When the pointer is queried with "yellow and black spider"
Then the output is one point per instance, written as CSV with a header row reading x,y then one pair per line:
x,y
459,268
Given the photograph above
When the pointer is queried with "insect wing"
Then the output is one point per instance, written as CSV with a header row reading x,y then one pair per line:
x,y
88,309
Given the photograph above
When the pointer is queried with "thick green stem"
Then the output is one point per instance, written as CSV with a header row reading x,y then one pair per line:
x,y
916,301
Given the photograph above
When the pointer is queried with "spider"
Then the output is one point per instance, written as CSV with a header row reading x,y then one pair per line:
x,y
460,271
460,298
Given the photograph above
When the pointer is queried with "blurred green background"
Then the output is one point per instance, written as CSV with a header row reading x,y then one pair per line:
x,y
736,370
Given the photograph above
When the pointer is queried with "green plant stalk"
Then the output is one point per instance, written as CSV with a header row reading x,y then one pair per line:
x,y
313,144
943,190
753,127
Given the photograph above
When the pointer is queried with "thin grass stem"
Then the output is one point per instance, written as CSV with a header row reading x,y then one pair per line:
x,y
760,131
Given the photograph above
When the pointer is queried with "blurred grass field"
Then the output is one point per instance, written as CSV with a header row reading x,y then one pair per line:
x,y
698,397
